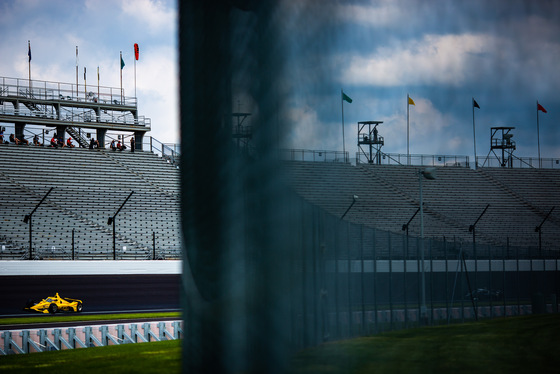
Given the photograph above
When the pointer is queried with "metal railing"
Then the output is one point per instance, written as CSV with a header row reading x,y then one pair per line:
x,y
312,155
167,151
84,245
415,159
48,90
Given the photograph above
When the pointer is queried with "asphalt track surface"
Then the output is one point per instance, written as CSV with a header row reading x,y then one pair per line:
x,y
99,293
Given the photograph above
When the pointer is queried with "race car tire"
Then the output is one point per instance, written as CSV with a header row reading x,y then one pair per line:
x,y
53,308
79,307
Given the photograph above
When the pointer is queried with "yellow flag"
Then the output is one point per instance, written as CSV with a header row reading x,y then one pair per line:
x,y
410,101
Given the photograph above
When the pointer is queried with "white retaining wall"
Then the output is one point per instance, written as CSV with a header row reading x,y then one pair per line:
x,y
26,267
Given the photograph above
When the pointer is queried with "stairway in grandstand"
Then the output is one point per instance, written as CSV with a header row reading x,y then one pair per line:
x,y
89,187
389,196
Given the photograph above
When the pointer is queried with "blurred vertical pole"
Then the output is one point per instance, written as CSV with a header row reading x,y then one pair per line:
x,y
236,307
205,103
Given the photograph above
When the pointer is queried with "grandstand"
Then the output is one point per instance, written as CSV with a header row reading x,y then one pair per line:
x,y
388,196
88,188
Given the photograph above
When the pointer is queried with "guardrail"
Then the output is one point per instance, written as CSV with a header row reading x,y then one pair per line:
x,y
56,339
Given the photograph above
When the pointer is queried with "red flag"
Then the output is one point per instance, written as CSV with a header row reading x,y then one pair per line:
x,y
540,107
136,51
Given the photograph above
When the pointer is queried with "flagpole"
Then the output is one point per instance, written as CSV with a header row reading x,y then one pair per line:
x,y
343,145
29,63
85,84
135,77
76,72
538,137
120,64
407,129
98,98
474,133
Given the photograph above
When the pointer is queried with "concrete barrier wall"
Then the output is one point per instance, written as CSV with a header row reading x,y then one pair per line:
x,y
57,338
14,268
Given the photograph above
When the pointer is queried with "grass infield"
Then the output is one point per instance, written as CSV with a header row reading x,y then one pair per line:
x,y
508,345
47,318
529,344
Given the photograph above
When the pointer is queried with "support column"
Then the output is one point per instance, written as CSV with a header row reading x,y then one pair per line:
x,y
138,140
101,137
61,132
19,127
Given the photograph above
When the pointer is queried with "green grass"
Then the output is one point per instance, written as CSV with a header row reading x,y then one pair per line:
x,y
512,345
157,357
529,344
84,317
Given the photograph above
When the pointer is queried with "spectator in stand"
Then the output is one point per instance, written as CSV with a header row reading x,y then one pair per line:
x,y
14,140
69,142
1,136
23,141
54,142
93,143
132,143
113,145
36,140
120,146
60,142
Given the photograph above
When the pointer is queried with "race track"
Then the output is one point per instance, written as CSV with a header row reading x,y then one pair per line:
x,y
99,293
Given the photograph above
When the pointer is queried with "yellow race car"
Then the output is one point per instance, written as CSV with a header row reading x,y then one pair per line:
x,y
53,304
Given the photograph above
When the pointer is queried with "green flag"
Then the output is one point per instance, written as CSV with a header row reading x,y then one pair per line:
x,y
346,97
122,63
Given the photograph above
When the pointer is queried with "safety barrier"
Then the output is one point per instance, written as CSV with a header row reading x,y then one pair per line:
x,y
56,339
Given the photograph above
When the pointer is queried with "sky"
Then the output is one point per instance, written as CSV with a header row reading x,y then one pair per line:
x,y
504,54
100,29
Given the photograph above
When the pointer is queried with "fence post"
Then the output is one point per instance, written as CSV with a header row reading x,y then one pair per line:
x,y
336,300
431,254
154,245
447,310
348,277
364,328
72,244
391,326
374,250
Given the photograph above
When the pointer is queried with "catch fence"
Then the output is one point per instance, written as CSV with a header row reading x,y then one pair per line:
x,y
350,280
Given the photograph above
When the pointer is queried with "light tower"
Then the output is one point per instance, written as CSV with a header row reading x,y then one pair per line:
x,y
369,141
242,133
503,143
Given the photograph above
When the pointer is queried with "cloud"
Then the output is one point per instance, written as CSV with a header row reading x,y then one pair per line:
x,y
308,132
155,14
386,14
435,59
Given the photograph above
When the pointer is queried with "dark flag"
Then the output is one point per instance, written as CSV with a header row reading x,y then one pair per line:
x,y
541,108
475,104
